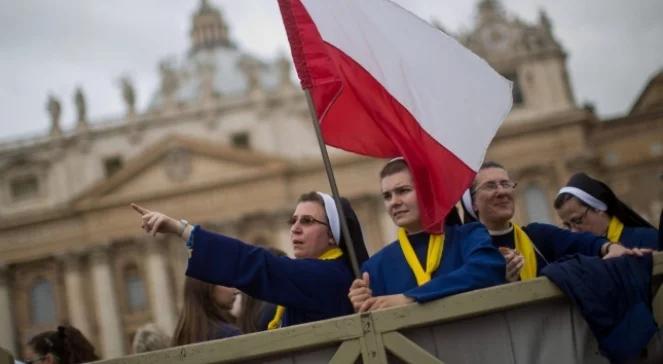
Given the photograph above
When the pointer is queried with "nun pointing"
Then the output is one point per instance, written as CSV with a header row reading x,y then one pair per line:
x,y
311,287
589,205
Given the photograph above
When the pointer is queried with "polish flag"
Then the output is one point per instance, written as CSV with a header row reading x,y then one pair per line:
x,y
384,83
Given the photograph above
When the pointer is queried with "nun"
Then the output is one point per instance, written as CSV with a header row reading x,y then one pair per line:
x,y
589,205
311,287
527,249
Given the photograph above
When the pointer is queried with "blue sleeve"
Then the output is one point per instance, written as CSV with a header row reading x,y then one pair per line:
x,y
554,242
482,266
308,284
376,279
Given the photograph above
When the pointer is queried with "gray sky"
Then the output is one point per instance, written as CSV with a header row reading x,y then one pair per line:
x,y
51,46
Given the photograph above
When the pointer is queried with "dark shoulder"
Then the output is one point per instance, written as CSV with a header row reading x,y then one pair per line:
x,y
386,252
640,237
473,228
537,228
642,231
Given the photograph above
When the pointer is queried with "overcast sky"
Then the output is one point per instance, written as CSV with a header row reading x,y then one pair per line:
x,y
51,46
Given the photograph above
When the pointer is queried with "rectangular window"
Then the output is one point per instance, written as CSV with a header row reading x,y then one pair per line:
x,y
112,165
241,140
24,187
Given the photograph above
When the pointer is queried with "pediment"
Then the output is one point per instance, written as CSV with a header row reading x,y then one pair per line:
x,y
176,165
651,98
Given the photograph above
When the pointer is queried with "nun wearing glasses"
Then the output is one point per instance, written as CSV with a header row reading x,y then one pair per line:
x,y
311,287
589,205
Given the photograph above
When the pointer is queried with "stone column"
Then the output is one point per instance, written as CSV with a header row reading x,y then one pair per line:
x,y
7,338
108,318
161,297
73,282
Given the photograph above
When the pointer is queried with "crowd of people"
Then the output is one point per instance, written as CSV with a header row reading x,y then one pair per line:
x,y
485,248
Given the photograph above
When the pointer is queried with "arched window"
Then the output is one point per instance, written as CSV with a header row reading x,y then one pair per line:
x,y
538,207
42,303
135,289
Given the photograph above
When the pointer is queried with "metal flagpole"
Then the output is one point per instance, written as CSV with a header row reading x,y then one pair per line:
x,y
332,183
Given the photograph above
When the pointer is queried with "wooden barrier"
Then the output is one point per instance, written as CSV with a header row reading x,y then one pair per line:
x,y
525,322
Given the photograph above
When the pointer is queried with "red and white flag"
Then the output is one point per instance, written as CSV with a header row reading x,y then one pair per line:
x,y
385,83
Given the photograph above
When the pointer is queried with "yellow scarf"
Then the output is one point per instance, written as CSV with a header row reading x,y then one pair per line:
x,y
615,229
330,254
525,246
433,257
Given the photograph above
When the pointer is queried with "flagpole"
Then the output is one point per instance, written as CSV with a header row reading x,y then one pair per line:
x,y
349,244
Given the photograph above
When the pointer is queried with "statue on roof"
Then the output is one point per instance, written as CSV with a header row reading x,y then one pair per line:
x,y
169,81
81,109
128,94
54,109
285,70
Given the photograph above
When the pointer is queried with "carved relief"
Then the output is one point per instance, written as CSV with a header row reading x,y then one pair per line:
x,y
178,165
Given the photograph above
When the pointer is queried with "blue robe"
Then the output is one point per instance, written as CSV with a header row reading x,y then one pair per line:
x,y
614,297
639,237
469,262
553,242
310,289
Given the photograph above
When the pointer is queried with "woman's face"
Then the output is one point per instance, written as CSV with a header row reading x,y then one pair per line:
x,y
224,296
578,217
309,232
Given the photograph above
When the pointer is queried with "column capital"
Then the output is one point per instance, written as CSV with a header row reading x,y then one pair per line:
x,y
99,253
71,259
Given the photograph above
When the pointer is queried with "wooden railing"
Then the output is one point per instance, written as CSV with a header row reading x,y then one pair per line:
x,y
526,322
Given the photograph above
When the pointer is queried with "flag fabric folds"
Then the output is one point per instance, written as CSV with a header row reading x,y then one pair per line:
x,y
385,83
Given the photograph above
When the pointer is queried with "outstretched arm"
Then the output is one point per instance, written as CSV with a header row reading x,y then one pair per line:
x,y
219,259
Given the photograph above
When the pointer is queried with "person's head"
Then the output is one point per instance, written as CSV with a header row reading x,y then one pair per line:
x,y
206,306
578,216
400,196
310,226
149,338
66,345
492,197
587,204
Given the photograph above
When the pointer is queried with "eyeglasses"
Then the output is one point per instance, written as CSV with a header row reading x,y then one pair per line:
x,y
33,361
492,186
306,220
577,221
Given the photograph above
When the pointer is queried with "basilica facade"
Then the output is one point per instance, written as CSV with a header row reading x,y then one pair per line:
x,y
227,143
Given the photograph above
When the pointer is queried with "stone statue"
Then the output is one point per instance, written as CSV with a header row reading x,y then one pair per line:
x,y
81,111
53,107
283,64
251,69
169,82
544,20
128,94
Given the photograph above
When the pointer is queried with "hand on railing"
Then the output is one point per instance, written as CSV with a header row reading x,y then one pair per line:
x,y
613,250
381,302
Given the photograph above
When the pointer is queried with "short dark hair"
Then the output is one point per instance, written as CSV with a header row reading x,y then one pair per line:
x,y
311,196
67,344
485,165
394,166
491,164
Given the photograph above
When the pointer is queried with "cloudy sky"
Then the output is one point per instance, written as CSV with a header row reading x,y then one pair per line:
x,y
53,46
